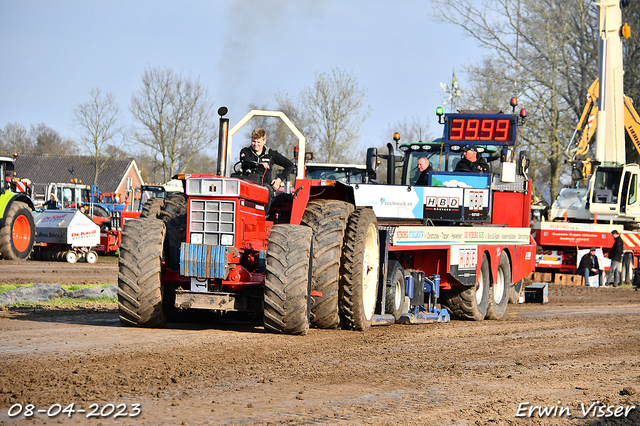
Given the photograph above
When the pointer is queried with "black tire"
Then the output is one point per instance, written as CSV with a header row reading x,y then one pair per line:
x,y
139,286
360,269
99,211
328,220
174,216
500,290
514,294
470,303
18,233
395,302
152,207
626,272
287,283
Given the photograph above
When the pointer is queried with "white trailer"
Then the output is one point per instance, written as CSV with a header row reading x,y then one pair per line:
x,y
66,234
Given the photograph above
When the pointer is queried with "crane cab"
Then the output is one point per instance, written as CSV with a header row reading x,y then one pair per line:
x,y
614,191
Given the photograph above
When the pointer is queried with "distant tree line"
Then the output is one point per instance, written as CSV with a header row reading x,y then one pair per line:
x,y
175,124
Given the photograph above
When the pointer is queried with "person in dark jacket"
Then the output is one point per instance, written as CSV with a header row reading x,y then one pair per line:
x,y
259,159
589,267
52,204
615,255
472,161
425,168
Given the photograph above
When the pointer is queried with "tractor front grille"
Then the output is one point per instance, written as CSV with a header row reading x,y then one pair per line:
x,y
212,222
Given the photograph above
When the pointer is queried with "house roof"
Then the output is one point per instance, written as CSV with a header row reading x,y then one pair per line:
x,y
45,169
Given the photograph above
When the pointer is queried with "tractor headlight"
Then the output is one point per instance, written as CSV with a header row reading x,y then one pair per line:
x,y
213,186
226,240
196,238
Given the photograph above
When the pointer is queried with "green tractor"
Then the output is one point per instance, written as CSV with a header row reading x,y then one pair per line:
x,y
17,227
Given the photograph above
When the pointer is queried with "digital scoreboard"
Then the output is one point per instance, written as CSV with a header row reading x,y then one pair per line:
x,y
481,129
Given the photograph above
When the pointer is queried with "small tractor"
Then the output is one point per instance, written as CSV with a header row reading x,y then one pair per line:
x,y
17,228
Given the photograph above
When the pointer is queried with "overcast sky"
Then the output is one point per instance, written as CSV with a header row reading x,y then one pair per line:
x,y
53,52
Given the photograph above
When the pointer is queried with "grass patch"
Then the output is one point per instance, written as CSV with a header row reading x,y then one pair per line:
x,y
66,287
60,302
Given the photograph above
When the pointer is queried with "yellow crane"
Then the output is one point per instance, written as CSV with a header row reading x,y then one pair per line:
x,y
587,126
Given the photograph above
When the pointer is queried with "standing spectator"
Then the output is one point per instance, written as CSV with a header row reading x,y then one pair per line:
x,y
52,204
615,254
589,266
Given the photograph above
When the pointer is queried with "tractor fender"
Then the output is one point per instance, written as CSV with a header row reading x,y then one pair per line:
x,y
7,198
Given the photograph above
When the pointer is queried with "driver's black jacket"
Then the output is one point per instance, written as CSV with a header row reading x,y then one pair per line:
x,y
479,166
249,158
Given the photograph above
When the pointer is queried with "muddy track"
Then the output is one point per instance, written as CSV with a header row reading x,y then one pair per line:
x,y
583,347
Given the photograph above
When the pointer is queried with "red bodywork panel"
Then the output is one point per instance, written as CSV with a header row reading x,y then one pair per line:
x,y
512,209
109,241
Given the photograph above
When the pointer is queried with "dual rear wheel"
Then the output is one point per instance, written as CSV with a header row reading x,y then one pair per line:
x,y
482,301
345,264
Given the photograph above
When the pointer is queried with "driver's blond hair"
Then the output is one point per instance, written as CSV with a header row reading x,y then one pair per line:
x,y
258,133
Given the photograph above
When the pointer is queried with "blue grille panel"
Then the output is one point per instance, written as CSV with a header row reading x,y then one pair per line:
x,y
203,261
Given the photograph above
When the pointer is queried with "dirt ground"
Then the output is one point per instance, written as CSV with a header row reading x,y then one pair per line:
x,y
31,271
581,348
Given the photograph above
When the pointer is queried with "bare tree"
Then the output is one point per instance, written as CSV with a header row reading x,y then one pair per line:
x,y
336,110
15,138
631,50
98,121
176,116
414,129
49,141
546,54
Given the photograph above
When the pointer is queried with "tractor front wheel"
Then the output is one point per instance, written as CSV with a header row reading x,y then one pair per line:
x,y
139,286
18,233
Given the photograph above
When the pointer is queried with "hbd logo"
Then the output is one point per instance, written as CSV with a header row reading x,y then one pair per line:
x,y
434,202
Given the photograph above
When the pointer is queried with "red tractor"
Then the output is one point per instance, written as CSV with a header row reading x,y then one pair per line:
x,y
312,261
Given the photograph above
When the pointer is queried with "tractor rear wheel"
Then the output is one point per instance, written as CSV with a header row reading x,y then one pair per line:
x,y
18,233
139,286
152,207
328,220
287,281
396,302
174,216
360,269
499,292
470,303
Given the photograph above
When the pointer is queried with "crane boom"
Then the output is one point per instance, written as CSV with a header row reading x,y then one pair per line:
x,y
610,142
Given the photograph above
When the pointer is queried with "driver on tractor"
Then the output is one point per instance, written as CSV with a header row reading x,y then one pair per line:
x,y
472,161
259,160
